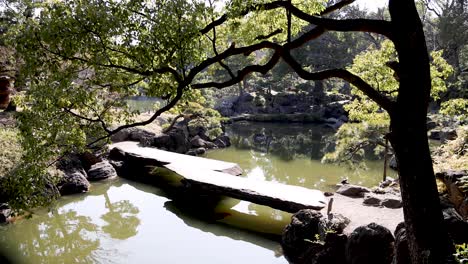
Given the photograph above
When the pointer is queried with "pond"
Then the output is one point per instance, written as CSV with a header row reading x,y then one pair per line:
x,y
121,221
291,154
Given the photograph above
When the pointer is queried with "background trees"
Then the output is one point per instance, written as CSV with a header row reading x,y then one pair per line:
x,y
84,58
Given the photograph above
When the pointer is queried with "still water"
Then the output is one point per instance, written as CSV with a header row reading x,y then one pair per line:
x,y
122,221
292,153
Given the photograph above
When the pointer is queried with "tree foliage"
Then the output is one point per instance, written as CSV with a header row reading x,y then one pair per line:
x,y
84,58
87,56
371,125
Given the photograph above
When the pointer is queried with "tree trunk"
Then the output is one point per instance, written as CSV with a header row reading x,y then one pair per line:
x,y
427,239
241,88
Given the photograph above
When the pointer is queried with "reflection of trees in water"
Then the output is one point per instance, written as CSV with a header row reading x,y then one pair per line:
x,y
63,237
121,218
66,236
273,170
286,141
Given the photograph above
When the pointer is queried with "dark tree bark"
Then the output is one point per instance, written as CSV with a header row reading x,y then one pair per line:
x,y
427,238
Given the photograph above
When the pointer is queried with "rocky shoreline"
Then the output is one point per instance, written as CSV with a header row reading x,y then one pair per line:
x,y
78,170
343,237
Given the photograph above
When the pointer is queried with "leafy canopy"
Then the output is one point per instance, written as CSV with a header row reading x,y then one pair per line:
x,y
83,59
372,123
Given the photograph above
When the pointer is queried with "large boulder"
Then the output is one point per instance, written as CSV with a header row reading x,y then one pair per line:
x,y
402,255
225,107
180,137
372,200
335,223
352,190
71,163
332,251
222,141
457,227
244,104
198,142
384,200
453,181
88,159
78,162
297,237
335,109
312,238
176,139
391,201
133,134
163,141
443,134
196,130
72,183
100,171
370,244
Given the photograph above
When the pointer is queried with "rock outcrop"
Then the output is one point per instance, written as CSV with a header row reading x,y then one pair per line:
x,y
312,238
132,134
287,107
100,171
72,183
384,200
456,192
402,255
180,138
352,190
370,244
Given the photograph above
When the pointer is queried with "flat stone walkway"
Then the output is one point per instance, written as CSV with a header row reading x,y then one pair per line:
x,y
361,214
218,177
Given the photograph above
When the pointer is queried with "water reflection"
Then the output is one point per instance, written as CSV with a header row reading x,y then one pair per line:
x,y
121,219
291,154
65,236
245,230
286,141
124,221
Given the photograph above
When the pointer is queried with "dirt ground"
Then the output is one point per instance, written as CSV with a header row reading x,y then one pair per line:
x,y
361,214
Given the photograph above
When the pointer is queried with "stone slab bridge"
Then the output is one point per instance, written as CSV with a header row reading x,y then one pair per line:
x,y
222,178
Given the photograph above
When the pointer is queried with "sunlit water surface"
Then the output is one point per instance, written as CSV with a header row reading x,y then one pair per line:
x,y
126,222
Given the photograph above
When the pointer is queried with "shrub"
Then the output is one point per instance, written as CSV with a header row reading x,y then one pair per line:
x,y
461,254
10,150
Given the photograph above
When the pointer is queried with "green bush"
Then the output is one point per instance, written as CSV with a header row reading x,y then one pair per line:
x,y
453,155
10,150
461,253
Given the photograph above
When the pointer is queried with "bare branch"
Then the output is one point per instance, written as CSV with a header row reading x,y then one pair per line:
x,y
242,74
336,6
263,37
343,74
363,25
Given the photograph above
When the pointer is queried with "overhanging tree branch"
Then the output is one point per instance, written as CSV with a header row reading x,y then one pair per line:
x,y
344,25
161,110
336,6
241,74
343,74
